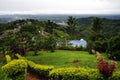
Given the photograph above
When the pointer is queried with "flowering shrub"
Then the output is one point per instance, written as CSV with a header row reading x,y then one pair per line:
x,y
105,68
8,58
15,69
75,74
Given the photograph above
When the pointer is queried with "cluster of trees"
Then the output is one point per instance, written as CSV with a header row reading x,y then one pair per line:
x,y
100,42
21,35
32,35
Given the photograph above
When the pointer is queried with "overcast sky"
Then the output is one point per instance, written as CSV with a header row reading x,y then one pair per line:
x,y
59,6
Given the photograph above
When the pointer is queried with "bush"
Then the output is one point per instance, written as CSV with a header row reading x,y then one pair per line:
x,y
74,74
8,58
15,69
106,69
42,70
115,76
19,56
114,47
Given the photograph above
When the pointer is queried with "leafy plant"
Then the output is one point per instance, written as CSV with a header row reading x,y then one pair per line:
x,y
15,70
8,58
75,74
106,69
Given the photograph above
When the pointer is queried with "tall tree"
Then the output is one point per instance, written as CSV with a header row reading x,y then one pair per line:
x,y
72,22
49,26
97,39
114,47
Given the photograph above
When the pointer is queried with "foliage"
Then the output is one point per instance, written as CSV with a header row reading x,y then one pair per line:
x,y
75,74
115,76
49,26
113,47
97,40
104,68
8,58
2,62
42,70
15,68
51,43
72,22
19,56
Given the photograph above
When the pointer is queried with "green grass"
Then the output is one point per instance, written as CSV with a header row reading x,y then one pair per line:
x,y
64,58
61,58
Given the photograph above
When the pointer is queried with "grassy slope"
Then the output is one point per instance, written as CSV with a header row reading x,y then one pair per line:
x,y
62,58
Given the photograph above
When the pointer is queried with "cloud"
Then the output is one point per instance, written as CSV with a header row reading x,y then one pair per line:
x,y
60,6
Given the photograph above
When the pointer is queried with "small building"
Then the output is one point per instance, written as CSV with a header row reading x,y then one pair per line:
x,y
80,42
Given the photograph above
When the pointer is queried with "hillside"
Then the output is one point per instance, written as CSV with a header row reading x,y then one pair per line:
x,y
111,26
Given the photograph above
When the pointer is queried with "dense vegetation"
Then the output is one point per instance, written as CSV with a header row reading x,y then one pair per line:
x,y
35,35
16,69
23,36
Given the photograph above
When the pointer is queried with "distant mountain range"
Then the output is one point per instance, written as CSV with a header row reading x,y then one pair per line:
x,y
55,18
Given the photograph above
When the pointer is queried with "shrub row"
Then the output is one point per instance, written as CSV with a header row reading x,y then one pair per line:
x,y
80,74
75,74
15,70
8,58
76,48
19,56
42,70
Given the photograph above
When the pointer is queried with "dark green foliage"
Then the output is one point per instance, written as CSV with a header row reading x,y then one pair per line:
x,y
97,40
72,22
97,25
49,26
113,47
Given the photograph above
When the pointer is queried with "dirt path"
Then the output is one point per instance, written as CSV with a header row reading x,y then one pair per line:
x,y
34,76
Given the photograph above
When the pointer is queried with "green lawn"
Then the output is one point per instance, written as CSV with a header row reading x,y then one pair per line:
x,y
62,58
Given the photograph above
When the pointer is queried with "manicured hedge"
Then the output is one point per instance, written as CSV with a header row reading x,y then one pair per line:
x,y
15,70
8,58
19,56
75,74
42,70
